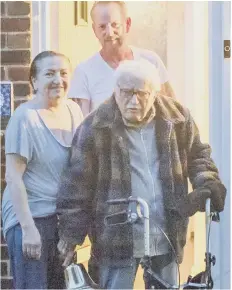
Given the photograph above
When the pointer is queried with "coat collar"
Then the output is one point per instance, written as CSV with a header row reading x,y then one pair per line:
x,y
167,109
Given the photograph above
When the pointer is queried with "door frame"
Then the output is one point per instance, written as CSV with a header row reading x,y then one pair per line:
x,y
220,132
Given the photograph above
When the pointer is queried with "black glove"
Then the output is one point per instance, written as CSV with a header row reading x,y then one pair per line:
x,y
192,202
218,194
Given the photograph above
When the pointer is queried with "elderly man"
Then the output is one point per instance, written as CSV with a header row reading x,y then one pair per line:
x,y
93,80
138,143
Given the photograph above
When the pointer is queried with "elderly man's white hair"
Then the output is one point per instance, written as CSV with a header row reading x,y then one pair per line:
x,y
138,69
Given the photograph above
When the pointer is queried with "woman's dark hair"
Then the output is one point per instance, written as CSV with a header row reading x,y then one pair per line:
x,y
34,68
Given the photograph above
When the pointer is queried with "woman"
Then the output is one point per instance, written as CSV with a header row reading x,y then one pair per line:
x,y
38,140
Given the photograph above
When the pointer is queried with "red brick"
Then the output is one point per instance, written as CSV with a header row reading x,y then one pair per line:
x,y
15,57
18,103
22,90
7,283
2,238
4,268
4,122
3,154
3,171
3,8
3,157
18,8
18,41
3,40
15,24
2,140
18,73
3,73
3,184
4,252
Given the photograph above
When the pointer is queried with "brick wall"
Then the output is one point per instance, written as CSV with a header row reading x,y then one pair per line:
x,y
15,61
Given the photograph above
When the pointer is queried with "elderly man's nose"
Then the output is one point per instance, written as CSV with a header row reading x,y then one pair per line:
x,y
135,99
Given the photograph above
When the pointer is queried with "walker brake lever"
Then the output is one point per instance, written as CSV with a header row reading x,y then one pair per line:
x,y
215,217
122,217
115,219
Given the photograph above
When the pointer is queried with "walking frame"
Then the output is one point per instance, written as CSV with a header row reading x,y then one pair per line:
x,y
77,278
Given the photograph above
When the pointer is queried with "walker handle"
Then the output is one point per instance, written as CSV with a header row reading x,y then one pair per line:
x,y
118,201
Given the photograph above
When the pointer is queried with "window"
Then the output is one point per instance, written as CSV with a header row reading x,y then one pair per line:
x,y
6,102
81,13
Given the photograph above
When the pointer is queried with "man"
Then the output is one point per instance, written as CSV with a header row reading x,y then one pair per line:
x,y
92,81
138,143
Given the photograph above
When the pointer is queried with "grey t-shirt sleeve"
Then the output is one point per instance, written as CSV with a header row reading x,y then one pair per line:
x,y
79,87
17,138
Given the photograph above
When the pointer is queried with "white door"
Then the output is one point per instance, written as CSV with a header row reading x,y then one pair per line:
x,y
220,132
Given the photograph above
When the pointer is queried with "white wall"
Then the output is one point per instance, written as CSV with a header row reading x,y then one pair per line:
x,y
187,57
176,47
149,26
187,62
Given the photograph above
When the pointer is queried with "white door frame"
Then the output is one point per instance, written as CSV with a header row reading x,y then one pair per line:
x,y
220,132
40,32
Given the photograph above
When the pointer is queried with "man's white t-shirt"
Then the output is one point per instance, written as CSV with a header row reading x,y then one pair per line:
x,y
93,79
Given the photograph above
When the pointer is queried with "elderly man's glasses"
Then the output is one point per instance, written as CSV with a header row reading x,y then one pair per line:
x,y
128,93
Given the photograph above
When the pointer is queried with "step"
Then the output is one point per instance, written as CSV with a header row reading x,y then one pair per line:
x,y
5,268
6,283
4,252
2,238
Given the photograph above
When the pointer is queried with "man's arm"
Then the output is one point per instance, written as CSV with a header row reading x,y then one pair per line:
x,y
84,105
77,188
79,90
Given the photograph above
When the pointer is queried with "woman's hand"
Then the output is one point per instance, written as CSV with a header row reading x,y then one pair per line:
x,y
31,242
